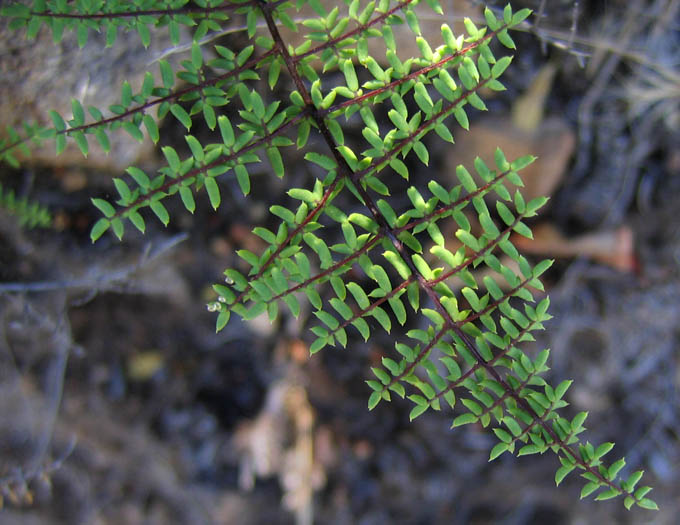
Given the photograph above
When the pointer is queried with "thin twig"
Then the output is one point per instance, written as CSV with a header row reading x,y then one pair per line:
x,y
99,281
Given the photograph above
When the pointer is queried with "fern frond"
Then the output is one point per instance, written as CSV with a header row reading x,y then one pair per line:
x,y
386,260
501,383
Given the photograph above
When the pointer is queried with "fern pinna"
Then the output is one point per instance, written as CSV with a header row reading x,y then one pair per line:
x,y
387,260
29,214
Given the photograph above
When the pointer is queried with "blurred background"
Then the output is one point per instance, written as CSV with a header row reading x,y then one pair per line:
x,y
119,403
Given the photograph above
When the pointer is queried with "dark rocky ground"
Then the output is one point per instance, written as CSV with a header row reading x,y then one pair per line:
x,y
121,405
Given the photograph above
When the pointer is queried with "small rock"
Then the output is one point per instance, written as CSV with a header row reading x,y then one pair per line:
x,y
38,76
